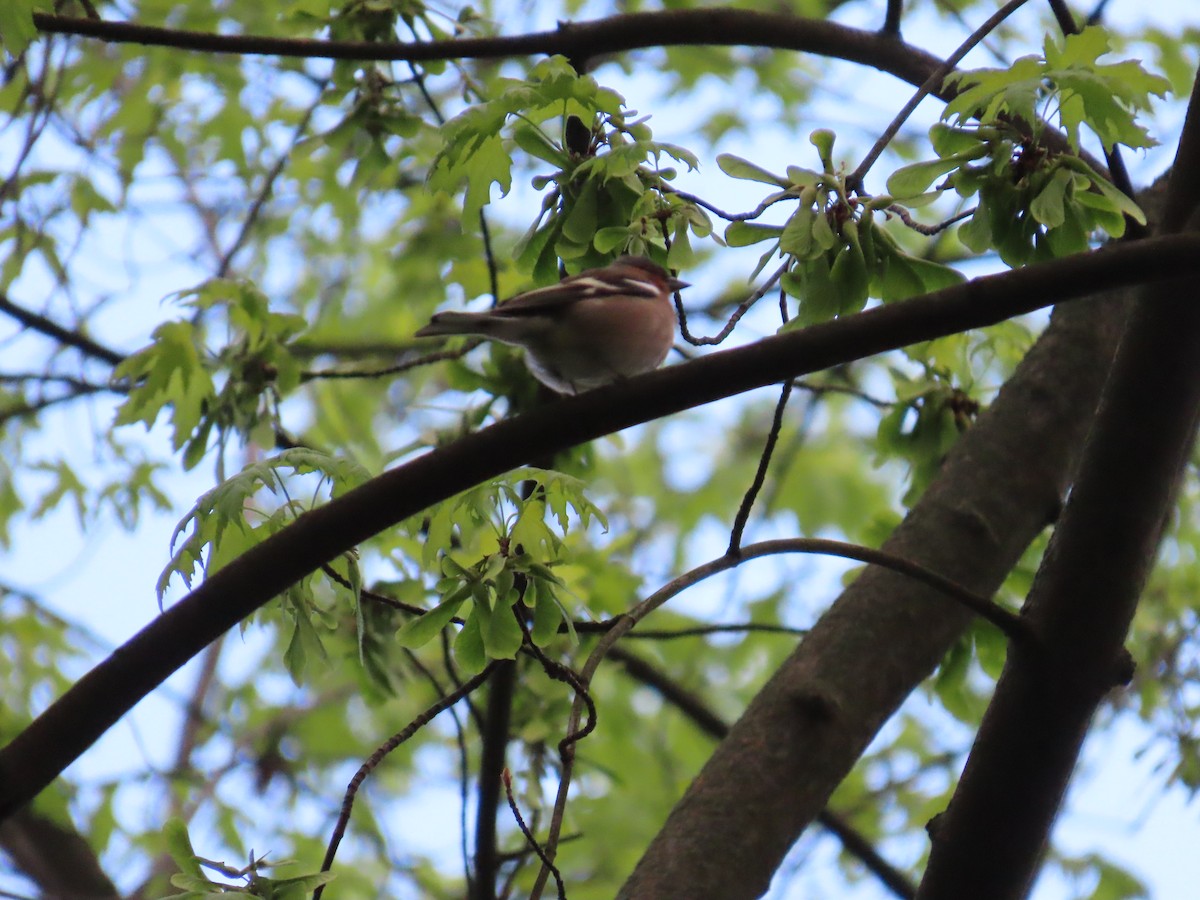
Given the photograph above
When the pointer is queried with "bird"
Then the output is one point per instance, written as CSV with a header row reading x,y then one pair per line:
x,y
590,329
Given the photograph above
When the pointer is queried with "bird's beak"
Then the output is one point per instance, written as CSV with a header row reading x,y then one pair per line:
x,y
676,285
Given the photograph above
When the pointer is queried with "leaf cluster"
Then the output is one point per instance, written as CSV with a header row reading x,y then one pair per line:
x,y
511,588
1036,203
836,254
175,373
607,195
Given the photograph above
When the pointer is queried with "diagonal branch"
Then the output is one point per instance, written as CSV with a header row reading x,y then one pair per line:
x,y
706,719
52,329
71,724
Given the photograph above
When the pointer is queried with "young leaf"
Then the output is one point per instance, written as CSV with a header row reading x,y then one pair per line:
x,y
419,631
736,167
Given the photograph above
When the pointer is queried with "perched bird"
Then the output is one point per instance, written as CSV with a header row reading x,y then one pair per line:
x,y
589,329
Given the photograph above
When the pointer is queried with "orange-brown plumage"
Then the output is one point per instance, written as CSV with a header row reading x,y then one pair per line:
x,y
588,330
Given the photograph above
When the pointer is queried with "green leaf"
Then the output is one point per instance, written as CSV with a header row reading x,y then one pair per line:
x,y
503,637
797,235
468,646
17,30
534,142
736,167
743,234
606,240
823,140
579,224
179,847
170,372
913,180
305,645
546,612
950,141
419,631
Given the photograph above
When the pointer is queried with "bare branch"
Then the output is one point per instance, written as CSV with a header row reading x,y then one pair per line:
x,y
931,85
45,326
381,753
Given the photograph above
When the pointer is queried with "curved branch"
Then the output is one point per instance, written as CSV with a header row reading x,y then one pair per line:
x,y
98,700
578,41
700,714
732,558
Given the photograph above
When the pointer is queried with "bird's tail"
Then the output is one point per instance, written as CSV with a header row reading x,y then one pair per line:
x,y
458,323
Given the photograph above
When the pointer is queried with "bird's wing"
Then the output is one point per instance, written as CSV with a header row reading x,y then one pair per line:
x,y
586,285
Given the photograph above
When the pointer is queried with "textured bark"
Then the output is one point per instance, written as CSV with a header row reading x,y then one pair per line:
x,y
801,735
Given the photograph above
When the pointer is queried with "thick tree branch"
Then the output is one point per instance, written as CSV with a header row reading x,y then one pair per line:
x,y
577,41
707,720
71,724
990,842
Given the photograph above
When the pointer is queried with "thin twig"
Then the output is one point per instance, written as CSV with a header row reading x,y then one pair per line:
x,y
722,214
485,231
932,83
760,474
375,597
668,634
381,753
741,310
417,362
529,838
460,737
27,409
264,192
929,230
848,390
891,18
1097,14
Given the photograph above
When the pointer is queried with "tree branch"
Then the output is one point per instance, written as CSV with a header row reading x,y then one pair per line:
x,y
707,720
931,85
580,41
40,323
71,724
491,769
